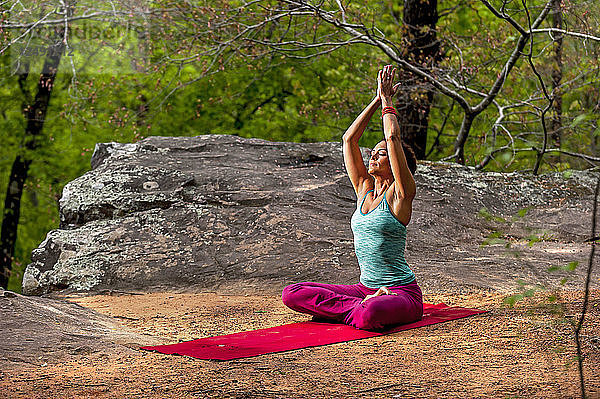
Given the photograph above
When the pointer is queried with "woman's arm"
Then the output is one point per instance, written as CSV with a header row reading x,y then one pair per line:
x,y
355,166
405,187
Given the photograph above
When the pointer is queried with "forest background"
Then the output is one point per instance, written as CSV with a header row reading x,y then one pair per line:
x,y
500,85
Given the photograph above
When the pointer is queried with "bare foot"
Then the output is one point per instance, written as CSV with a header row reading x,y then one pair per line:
x,y
380,291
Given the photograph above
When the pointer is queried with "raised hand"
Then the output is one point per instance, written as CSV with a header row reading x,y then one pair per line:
x,y
385,82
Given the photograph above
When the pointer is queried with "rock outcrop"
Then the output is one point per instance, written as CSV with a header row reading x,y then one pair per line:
x,y
225,212
41,330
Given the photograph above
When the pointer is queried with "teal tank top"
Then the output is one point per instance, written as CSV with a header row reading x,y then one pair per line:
x,y
379,242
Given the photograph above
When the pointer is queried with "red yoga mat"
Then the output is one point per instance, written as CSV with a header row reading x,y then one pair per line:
x,y
297,335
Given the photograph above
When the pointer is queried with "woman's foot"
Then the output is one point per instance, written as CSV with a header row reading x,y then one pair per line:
x,y
380,291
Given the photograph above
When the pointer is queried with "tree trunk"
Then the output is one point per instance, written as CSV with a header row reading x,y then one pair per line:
x,y
459,144
10,220
35,114
421,48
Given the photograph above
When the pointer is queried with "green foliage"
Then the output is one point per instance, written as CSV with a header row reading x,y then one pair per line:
x,y
569,268
497,237
537,237
522,212
287,100
477,44
525,291
484,213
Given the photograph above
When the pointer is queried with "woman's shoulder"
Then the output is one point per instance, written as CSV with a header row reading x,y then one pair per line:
x,y
367,185
400,208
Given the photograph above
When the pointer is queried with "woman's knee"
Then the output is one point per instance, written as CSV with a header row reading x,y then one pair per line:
x,y
369,316
289,296
379,313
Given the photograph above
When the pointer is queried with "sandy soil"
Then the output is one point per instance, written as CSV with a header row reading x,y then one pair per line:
x,y
521,352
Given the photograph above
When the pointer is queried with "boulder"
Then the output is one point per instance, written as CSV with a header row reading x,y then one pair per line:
x,y
223,212
39,331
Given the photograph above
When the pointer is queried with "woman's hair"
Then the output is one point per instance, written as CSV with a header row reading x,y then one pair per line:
x,y
409,154
411,158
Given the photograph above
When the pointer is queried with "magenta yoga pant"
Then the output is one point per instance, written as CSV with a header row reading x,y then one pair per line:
x,y
342,303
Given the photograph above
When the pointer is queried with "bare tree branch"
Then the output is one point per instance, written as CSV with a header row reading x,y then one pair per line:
x,y
516,54
303,29
470,114
550,99
568,33
503,15
586,157
588,278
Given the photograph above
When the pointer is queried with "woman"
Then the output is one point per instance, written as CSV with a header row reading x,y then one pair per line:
x,y
387,293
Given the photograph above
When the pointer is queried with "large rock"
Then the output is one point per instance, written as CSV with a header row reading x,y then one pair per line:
x,y
225,212
42,330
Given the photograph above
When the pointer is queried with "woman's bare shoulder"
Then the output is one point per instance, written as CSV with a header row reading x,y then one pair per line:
x,y
367,185
401,208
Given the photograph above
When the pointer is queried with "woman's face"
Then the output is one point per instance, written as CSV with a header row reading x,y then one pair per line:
x,y
379,163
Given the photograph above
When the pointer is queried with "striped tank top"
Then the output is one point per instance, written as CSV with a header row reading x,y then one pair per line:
x,y
379,242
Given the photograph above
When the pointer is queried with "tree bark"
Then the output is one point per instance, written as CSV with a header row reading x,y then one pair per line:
x,y
459,145
422,48
35,114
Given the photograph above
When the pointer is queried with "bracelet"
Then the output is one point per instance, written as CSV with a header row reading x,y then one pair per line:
x,y
389,110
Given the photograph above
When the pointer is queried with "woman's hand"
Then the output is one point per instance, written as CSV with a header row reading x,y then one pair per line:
x,y
385,80
380,291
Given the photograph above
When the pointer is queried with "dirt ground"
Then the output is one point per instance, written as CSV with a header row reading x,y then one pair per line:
x,y
520,352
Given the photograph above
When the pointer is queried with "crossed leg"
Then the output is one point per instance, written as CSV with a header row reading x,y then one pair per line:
x,y
332,301
343,303
386,310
